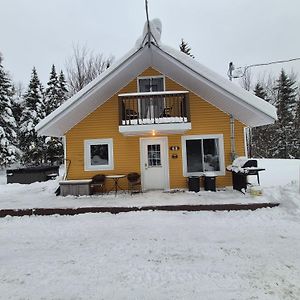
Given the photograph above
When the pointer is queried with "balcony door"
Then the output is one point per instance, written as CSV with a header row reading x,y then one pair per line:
x,y
154,163
151,107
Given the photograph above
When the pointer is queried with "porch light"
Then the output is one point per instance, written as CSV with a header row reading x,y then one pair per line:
x,y
153,132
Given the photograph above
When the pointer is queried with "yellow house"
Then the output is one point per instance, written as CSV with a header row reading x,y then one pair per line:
x,y
157,112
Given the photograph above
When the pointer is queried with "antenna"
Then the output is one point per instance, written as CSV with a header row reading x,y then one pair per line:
x,y
148,23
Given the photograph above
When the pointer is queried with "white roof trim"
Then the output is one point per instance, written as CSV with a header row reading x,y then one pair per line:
x,y
153,93
95,93
212,87
178,66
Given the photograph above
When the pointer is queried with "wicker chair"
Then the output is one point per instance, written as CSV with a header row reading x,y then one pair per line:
x,y
98,184
134,183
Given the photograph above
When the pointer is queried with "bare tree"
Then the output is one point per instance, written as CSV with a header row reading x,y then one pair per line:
x,y
84,66
246,80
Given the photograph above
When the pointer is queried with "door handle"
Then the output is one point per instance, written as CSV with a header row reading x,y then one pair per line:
x,y
146,166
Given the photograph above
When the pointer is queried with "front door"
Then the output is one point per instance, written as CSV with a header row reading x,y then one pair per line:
x,y
154,163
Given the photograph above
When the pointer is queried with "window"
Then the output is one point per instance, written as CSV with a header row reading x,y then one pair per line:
x,y
150,84
202,153
98,155
154,159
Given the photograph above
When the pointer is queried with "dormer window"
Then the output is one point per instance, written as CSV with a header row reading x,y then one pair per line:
x,y
151,84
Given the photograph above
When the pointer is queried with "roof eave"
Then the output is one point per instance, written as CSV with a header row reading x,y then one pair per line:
x,y
51,125
265,114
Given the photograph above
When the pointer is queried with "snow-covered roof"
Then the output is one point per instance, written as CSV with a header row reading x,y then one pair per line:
x,y
193,76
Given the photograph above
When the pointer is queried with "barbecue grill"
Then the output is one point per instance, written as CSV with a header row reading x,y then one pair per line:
x,y
240,169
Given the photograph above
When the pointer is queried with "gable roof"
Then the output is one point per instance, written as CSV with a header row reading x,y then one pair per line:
x,y
186,71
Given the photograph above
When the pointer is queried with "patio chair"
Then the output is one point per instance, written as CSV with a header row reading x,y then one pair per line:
x,y
134,183
166,113
98,184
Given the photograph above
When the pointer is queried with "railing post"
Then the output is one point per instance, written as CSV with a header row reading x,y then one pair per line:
x,y
120,110
187,106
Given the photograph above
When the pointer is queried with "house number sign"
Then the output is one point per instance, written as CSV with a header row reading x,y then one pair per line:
x,y
174,148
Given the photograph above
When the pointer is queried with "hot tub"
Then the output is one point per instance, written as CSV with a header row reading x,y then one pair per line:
x,y
31,174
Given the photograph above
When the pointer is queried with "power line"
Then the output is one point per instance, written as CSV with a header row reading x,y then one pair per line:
x,y
231,66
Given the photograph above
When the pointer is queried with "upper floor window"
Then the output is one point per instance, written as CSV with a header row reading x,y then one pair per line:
x,y
151,84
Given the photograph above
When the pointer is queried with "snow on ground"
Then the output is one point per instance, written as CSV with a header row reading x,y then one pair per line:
x,y
152,255
41,194
279,171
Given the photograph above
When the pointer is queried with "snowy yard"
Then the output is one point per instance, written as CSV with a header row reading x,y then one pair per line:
x,y
153,255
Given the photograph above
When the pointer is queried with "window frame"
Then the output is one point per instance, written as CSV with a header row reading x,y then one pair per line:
x,y
203,137
151,77
87,155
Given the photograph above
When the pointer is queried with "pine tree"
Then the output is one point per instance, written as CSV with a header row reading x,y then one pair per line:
x,y
55,95
8,150
63,91
297,128
262,137
185,48
52,99
286,110
17,104
32,146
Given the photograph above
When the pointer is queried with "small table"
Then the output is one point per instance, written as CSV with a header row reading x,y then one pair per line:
x,y
116,179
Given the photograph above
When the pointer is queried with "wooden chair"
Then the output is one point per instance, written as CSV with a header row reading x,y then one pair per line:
x,y
134,183
98,184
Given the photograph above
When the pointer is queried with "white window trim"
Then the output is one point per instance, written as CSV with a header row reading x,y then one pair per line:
x,y
87,155
197,137
150,77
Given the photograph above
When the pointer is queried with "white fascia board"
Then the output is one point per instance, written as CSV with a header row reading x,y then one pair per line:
x,y
153,93
95,93
213,88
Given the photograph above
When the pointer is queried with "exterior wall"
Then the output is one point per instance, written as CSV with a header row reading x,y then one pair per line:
x,y
104,122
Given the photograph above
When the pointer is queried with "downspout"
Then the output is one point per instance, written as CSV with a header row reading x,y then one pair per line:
x,y
232,133
232,138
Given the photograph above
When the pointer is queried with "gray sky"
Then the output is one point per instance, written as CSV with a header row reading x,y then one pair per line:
x,y
42,32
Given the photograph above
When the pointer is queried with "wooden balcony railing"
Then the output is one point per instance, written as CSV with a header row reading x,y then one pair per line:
x,y
154,108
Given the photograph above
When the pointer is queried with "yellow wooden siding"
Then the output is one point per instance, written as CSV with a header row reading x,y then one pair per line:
x,y
104,122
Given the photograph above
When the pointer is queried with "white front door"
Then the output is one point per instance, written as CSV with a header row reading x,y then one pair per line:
x,y
154,163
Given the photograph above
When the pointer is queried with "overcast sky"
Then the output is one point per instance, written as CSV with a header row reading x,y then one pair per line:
x,y
41,32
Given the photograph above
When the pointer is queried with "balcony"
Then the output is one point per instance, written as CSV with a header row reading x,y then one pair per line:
x,y
154,113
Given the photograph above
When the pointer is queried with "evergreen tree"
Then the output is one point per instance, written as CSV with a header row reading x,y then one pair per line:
x,y
63,91
262,137
185,48
55,95
286,139
297,128
8,135
52,100
17,104
32,146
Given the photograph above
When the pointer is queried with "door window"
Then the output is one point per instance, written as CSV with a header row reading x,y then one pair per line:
x,y
154,155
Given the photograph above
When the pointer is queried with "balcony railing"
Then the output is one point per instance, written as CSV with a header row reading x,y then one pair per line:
x,y
154,108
